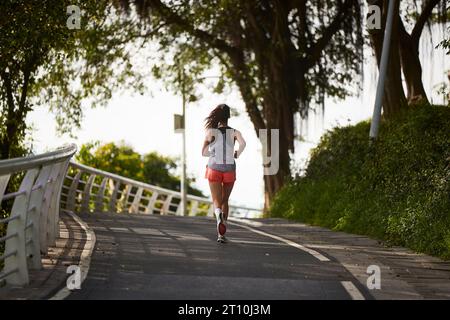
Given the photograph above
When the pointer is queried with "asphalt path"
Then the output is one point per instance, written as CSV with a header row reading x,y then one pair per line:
x,y
177,258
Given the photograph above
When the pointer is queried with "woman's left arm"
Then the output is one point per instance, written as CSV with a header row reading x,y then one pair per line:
x,y
206,143
242,144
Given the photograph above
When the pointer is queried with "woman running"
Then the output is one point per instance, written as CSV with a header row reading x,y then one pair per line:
x,y
221,169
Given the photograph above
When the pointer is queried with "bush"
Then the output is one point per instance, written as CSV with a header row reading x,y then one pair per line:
x,y
396,190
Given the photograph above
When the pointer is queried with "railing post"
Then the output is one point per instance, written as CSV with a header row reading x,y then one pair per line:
x,y
60,192
101,196
123,200
211,210
87,194
32,234
179,209
3,184
113,201
53,216
166,205
46,208
137,200
194,208
72,194
16,230
151,202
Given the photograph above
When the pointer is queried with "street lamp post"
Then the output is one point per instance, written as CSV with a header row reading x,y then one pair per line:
x,y
375,124
183,157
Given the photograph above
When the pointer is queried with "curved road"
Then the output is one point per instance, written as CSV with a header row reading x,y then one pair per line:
x,y
167,257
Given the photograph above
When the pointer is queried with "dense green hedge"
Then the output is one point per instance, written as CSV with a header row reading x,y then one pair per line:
x,y
396,190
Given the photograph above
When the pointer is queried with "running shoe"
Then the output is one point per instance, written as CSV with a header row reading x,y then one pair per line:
x,y
222,239
221,227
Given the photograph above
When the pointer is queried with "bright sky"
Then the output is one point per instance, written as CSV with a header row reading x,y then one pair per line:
x,y
146,123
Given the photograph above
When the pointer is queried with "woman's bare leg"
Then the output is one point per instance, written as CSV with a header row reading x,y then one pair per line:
x,y
216,193
226,191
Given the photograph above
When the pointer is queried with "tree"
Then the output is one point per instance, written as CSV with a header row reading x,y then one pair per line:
x,y
446,42
404,51
43,61
22,51
409,52
284,56
123,160
394,96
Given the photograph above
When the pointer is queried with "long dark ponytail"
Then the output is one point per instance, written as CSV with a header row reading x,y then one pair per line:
x,y
220,114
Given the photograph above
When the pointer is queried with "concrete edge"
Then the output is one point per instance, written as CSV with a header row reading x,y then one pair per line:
x,y
85,258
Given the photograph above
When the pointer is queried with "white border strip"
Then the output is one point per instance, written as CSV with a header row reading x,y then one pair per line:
x,y
85,259
312,252
349,286
352,290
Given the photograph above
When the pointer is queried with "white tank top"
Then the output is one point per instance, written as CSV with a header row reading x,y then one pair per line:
x,y
221,150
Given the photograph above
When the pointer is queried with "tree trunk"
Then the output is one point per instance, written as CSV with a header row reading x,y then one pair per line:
x,y
409,50
5,149
15,117
11,137
273,183
277,113
394,96
9,132
412,68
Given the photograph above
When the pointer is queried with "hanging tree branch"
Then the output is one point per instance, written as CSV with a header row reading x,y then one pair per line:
x,y
316,49
423,18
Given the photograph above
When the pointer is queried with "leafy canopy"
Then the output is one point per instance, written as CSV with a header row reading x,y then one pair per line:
x,y
43,62
319,43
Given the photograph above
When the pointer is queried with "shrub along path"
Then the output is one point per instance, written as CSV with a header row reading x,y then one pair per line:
x,y
396,190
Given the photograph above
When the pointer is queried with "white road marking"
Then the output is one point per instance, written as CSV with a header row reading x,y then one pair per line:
x,y
312,252
264,243
246,221
352,290
85,259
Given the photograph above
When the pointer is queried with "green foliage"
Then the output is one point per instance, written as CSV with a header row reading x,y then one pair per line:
x,y
445,44
44,62
122,160
396,189
97,61
247,39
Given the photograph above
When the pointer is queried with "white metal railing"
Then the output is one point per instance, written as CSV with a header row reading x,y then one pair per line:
x,y
32,223
91,190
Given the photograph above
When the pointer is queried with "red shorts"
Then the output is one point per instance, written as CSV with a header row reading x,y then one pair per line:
x,y
218,176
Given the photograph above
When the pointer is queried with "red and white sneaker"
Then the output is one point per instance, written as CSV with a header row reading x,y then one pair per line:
x,y
222,239
221,226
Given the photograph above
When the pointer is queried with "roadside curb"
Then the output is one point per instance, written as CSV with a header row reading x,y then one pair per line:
x,y
85,258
